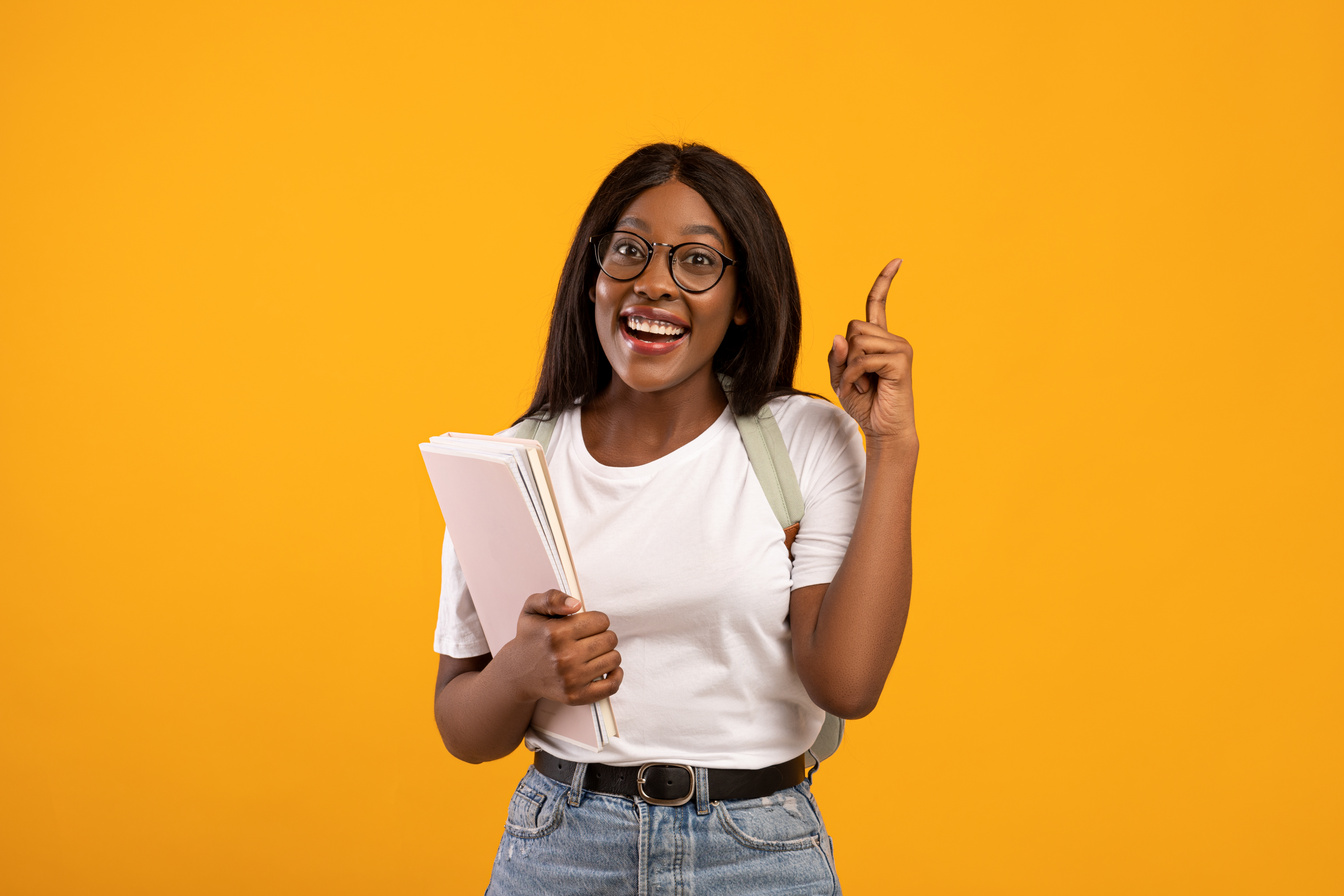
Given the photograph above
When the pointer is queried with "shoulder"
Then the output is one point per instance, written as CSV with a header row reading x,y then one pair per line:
x,y
824,442
803,418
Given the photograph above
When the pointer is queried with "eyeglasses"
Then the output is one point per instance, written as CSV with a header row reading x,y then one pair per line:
x,y
623,256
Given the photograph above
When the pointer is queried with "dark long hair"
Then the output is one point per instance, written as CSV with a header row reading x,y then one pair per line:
x,y
760,355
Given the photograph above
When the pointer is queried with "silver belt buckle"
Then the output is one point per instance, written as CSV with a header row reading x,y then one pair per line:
x,y
680,801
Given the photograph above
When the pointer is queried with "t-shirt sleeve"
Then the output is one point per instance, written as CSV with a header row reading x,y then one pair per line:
x,y
826,448
459,633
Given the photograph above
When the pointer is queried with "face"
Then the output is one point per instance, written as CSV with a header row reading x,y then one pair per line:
x,y
656,335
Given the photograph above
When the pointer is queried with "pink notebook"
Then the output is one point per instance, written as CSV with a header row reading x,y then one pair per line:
x,y
503,523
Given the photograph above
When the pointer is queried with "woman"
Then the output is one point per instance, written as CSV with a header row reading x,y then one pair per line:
x,y
732,647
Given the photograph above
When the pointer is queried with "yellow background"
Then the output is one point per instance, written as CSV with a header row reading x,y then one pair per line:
x,y
250,257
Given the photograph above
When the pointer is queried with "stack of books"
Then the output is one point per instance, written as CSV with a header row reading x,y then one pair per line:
x,y
499,508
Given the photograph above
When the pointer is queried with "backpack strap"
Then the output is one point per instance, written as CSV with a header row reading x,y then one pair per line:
x,y
769,458
827,742
770,461
537,428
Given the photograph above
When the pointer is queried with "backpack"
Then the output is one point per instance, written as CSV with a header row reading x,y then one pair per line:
x,y
770,461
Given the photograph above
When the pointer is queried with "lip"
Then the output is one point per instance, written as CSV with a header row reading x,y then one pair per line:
x,y
648,313
641,347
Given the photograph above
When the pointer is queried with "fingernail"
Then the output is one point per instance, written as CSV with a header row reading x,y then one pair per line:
x,y
898,267
572,603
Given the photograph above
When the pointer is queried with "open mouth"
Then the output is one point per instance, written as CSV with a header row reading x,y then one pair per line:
x,y
648,330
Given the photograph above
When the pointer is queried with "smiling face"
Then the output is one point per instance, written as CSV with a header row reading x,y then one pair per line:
x,y
656,335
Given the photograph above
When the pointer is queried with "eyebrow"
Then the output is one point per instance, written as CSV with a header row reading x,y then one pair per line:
x,y
692,230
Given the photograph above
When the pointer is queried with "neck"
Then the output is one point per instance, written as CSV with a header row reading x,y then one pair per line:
x,y
623,427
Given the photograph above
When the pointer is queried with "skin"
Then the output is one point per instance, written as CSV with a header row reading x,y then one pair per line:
x,y
656,404
845,633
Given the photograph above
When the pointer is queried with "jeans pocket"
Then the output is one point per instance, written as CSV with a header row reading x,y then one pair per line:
x,y
532,813
782,821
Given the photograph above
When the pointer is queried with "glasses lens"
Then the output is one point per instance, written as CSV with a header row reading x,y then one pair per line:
x,y
697,267
622,255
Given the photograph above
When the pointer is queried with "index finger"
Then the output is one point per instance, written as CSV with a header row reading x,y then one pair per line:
x,y
877,296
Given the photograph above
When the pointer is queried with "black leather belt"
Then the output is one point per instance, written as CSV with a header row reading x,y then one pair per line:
x,y
666,784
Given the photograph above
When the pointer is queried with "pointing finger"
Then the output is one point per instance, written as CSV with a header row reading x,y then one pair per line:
x,y
877,297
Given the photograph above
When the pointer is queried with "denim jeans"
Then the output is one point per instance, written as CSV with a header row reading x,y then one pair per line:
x,y
560,840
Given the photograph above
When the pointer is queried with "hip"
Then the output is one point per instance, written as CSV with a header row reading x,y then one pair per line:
x,y
560,839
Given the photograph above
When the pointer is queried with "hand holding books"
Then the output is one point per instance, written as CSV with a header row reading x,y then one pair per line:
x,y
563,654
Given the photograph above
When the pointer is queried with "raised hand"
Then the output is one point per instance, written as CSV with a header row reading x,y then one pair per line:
x,y
870,371
562,654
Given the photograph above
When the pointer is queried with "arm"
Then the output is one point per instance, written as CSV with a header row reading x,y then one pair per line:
x,y
483,704
846,633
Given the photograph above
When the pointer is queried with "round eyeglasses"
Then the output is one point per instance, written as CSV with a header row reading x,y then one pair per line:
x,y
695,267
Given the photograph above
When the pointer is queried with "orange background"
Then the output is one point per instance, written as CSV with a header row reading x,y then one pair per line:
x,y
252,253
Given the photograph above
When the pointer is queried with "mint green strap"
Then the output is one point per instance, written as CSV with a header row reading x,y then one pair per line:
x,y
828,740
770,460
533,428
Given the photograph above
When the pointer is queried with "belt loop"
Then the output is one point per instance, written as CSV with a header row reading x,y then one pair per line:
x,y
576,783
701,791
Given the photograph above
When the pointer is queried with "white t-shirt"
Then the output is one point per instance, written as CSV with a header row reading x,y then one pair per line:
x,y
687,559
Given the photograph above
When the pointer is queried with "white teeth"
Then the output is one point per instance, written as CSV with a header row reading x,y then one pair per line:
x,y
643,325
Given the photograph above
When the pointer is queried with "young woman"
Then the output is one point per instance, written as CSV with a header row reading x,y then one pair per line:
x,y
731,646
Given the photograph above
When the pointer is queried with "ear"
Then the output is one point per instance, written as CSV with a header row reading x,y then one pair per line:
x,y
740,315
592,293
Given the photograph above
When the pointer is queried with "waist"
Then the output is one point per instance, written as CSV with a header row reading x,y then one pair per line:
x,y
673,784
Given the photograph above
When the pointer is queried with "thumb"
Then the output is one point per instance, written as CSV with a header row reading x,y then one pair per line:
x,y
836,360
551,603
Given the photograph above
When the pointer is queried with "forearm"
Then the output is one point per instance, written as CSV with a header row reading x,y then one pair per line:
x,y
483,705
848,650
480,714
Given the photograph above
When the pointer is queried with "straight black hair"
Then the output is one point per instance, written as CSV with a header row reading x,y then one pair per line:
x,y
759,356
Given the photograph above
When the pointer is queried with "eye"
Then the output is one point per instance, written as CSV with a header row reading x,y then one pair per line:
x,y
697,257
628,248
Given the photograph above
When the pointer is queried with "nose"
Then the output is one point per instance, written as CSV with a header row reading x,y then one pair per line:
x,y
655,281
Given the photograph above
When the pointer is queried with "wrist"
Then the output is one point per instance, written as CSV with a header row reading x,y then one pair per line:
x,y
903,447
511,681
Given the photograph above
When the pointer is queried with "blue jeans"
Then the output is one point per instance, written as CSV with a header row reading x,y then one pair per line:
x,y
559,840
